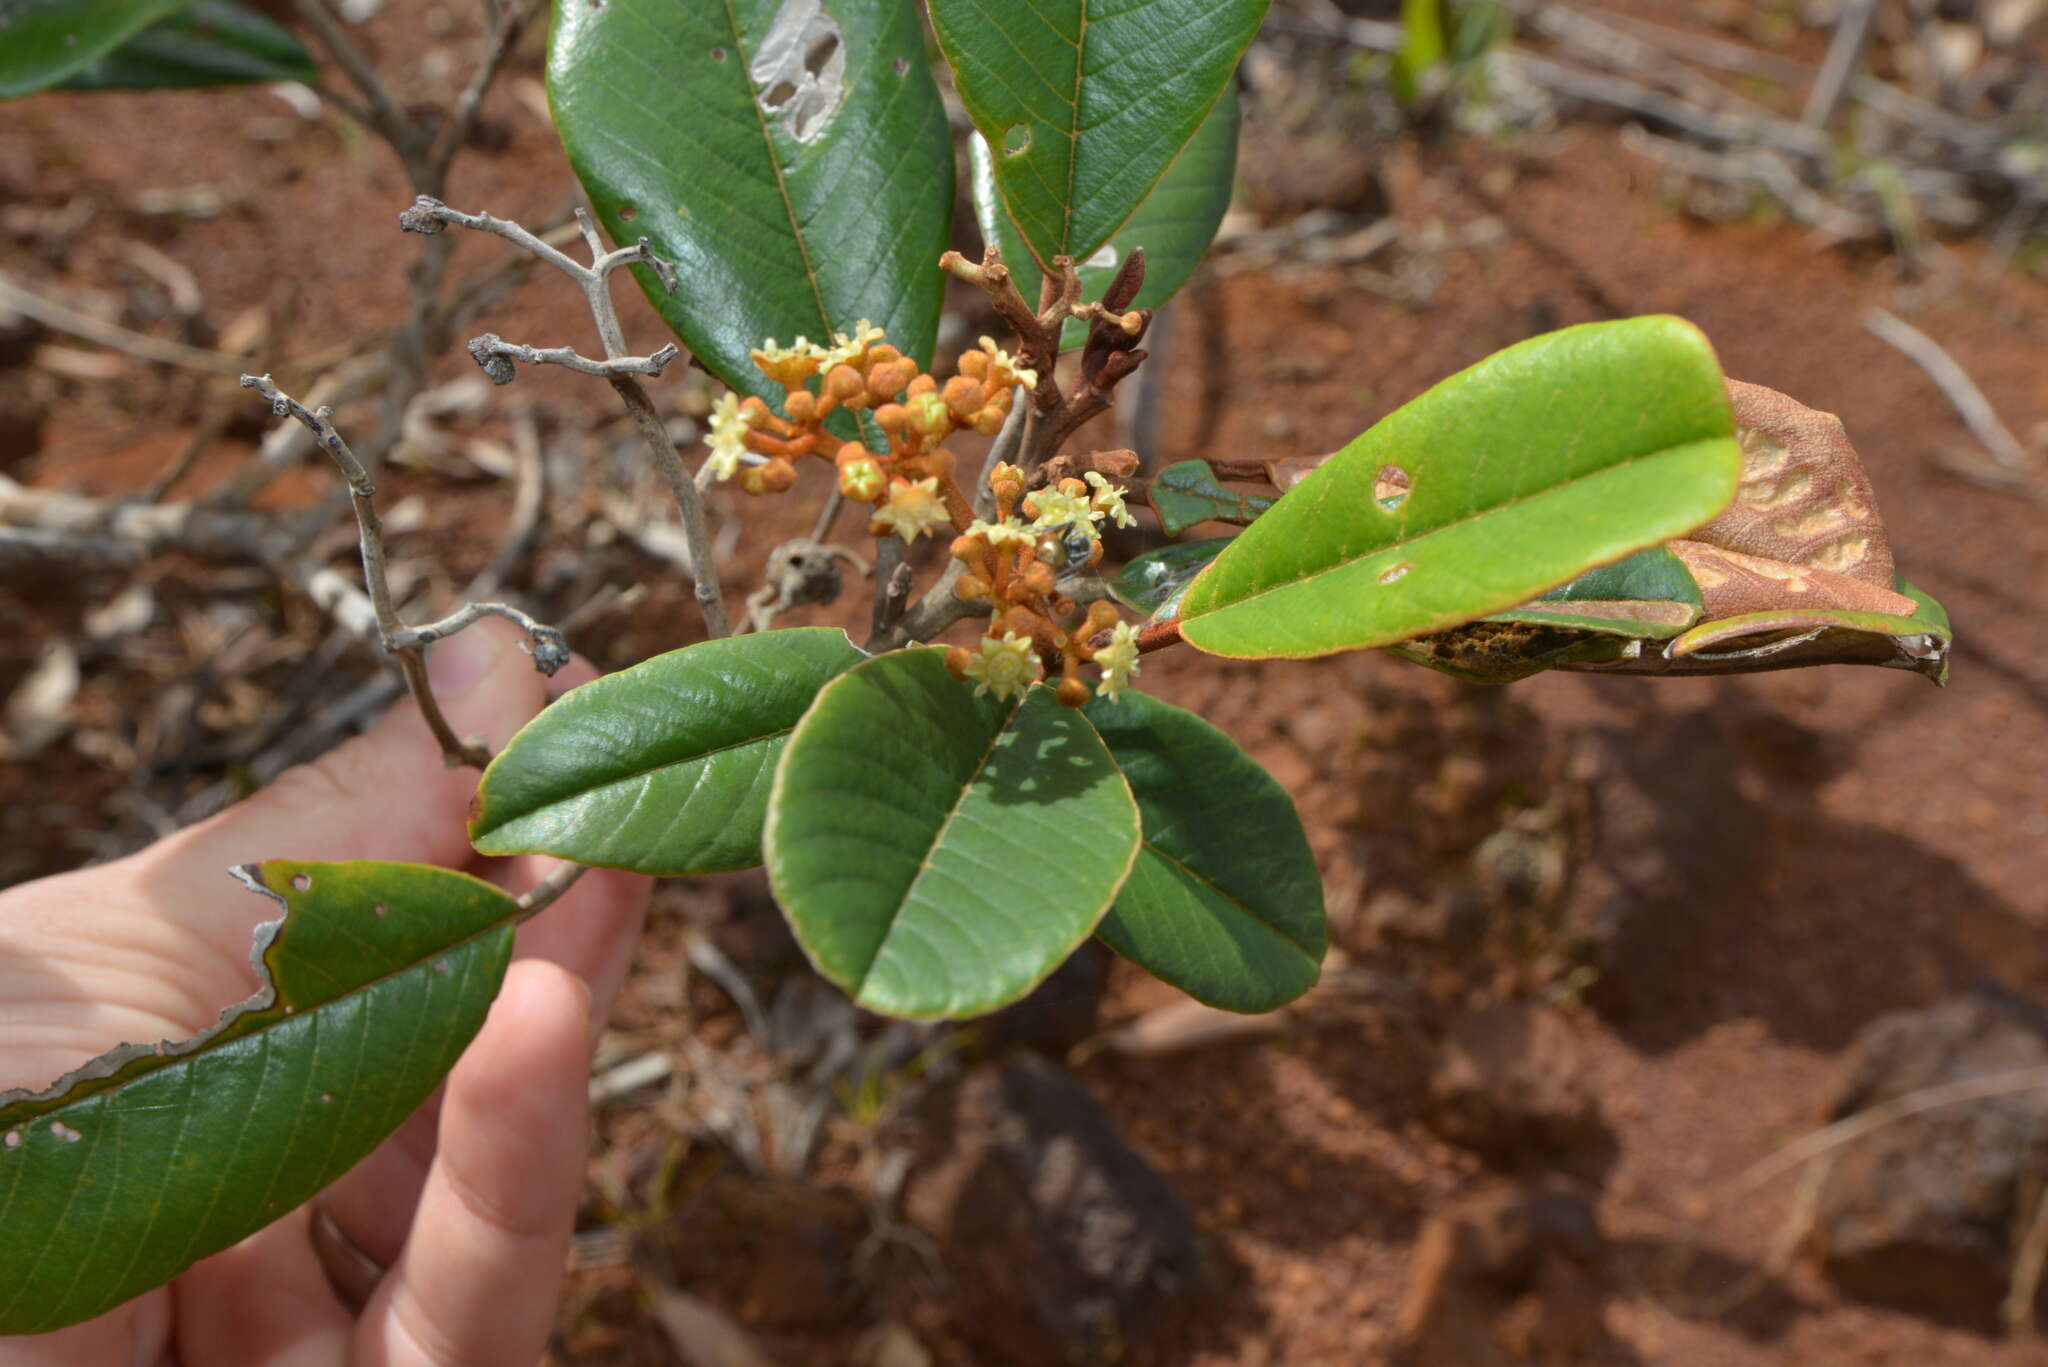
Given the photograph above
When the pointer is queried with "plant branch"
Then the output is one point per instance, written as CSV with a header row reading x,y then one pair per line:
x,y
406,645
494,355
548,890
429,215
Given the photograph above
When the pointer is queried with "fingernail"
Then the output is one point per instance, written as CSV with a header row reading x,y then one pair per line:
x,y
460,662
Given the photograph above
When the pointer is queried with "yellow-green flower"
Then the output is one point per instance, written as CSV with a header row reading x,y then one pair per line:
x,y
1004,368
1056,508
728,439
789,366
847,349
1118,660
1008,532
861,480
1109,499
913,508
1003,667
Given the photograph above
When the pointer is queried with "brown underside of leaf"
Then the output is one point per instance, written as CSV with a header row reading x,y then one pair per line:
x,y
1804,499
1291,471
1732,584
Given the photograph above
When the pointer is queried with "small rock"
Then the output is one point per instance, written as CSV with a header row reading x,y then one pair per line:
x,y
1507,1275
1511,1086
1923,1213
1064,1244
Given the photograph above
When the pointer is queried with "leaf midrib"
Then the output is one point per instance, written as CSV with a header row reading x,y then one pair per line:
x,y
939,839
1251,915
796,231
1487,511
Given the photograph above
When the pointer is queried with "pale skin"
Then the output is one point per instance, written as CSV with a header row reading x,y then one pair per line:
x,y
472,1202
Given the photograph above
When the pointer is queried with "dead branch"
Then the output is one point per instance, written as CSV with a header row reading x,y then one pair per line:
x,y
429,216
494,356
1960,390
406,645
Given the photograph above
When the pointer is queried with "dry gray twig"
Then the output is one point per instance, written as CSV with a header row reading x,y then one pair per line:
x,y
406,645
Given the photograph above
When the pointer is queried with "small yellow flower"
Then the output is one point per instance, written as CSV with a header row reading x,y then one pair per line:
x,y
1109,499
1057,508
1004,369
861,480
1118,659
1008,532
789,366
847,349
728,440
913,509
1003,667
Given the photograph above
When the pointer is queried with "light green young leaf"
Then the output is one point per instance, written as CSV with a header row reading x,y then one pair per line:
x,y
1086,103
1174,225
937,853
1225,902
789,156
662,768
135,1166
1564,452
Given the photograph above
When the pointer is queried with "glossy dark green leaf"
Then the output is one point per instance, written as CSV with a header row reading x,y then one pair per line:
x,y
1174,225
1567,451
1188,492
137,1165
790,157
44,41
662,768
1225,901
1153,583
214,42
938,853
1086,103
1654,575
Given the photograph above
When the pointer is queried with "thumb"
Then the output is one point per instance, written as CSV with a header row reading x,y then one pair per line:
x,y
386,794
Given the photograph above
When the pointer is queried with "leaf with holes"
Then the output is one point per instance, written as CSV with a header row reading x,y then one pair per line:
x,y
1188,492
937,853
214,42
1224,902
1174,225
789,156
662,768
1154,582
1086,103
135,1166
44,41
1564,452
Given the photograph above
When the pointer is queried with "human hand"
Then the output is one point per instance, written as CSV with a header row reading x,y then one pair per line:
x,y
471,1203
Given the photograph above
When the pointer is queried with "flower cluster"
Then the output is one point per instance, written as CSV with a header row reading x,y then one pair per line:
x,y
1013,565
910,487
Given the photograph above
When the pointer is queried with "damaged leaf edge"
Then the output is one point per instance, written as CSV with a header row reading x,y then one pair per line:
x,y
117,1066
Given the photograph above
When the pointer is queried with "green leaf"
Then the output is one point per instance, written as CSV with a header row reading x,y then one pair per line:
x,y
214,42
938,853
1566,451
43,41
1422,48
1188,492
1224,902
1652,576
1154,582
662,768
1086,103
140,1163
1933,614
791,159
1174,225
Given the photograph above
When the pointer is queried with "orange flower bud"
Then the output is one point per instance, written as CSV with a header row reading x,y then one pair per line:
x,y
845,386
1037,579
974,365
938,462
1072,693
963,398
801,405
891,417
956,662
969,589
883,354
989,421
